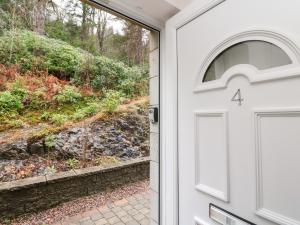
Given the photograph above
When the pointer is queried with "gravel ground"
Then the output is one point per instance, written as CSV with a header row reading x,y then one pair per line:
x,y
75,207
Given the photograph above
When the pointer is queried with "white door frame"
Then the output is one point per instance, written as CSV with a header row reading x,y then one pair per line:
x,y
169,151
122,10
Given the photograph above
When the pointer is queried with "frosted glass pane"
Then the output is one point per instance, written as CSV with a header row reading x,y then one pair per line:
x,y
263,55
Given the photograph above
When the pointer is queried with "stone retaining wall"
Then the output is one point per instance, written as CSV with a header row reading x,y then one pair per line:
x,y
39,193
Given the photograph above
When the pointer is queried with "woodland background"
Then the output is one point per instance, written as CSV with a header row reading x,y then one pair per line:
x,y
78,24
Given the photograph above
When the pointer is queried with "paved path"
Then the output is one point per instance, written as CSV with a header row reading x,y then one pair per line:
x,y
134,210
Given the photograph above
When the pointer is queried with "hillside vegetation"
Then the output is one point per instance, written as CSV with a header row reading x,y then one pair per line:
x,y
73,88
50,81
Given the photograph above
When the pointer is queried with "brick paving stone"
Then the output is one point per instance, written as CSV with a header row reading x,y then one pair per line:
x,y
116,209
97,216
87,222
145,211
83,219
74,219
145,221
134,210
108,215
90,213
69,223
138,196
104,209
133,222
121,202
102,222
114,220
121,213
138,206
121,223
127,207
126,219
138,216
143,201
133,203
131,198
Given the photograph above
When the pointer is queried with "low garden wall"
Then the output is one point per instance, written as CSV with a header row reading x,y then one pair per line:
x,y
38,193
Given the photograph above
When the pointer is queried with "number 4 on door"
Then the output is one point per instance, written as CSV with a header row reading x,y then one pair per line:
x,y
238,97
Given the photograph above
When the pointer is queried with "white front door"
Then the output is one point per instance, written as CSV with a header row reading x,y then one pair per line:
x,y
239,114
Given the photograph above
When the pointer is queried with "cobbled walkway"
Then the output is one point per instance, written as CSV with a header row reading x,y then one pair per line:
x,y
134,210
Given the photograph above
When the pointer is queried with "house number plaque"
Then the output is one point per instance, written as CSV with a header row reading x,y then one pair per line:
x,y
238,97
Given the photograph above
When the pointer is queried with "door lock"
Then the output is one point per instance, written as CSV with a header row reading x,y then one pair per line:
x,y
153,114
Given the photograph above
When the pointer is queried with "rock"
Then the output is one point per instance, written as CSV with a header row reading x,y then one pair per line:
x,y
17,150
74,130
145,148
37,148
129,153
125,135
120,138
108,152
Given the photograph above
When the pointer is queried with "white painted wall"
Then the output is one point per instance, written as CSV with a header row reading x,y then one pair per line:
x,y
153,13
154,128
179,4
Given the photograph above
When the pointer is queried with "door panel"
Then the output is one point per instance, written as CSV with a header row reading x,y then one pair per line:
x,y
277,132
212,153
238,132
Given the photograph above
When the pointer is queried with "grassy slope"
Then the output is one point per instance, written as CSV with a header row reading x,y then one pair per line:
x,y
36,132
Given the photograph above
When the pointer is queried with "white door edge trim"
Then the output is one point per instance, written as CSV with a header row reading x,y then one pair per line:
x,y
169,163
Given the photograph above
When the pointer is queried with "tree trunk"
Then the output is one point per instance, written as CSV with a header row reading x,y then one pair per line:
x,y
134,44
84,26
101,29
39,16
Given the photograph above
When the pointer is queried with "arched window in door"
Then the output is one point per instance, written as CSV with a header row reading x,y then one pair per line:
x,y
261,54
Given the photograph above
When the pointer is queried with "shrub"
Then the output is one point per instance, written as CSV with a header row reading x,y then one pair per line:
x,y
50,141
135,83
68,95
91,109
106,73
32,51
58,119
7,74
72,163
19,91
128,87
78,115
106,160
51,170
111,101
45,116
16,123
37,99
9,103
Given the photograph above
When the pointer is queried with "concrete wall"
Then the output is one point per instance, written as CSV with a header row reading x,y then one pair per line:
x,y
39,193
154,128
